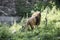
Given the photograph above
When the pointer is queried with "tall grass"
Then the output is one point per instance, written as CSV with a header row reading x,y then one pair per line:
x,y
42,32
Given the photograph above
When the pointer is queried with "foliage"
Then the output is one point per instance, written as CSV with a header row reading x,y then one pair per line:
x,y
5,34
23,8
42,32
39,33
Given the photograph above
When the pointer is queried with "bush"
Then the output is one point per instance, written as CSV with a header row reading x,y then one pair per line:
x,y
4,33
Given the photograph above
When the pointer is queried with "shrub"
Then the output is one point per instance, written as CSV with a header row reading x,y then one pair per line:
x,y
4,33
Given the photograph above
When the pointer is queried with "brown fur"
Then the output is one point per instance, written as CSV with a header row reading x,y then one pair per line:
x,y
37,15
34,19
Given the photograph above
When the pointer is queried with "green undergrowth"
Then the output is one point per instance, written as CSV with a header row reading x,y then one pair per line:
x,y
51,31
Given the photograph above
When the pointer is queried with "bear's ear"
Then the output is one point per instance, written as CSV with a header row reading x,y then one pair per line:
x,y
37,11
32,11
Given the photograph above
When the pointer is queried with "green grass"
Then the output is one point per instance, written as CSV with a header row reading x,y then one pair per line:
x,y
42,32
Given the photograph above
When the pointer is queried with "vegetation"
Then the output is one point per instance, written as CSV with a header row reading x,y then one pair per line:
x,y
51,31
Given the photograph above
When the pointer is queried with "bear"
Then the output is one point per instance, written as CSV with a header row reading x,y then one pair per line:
x,y
34,19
